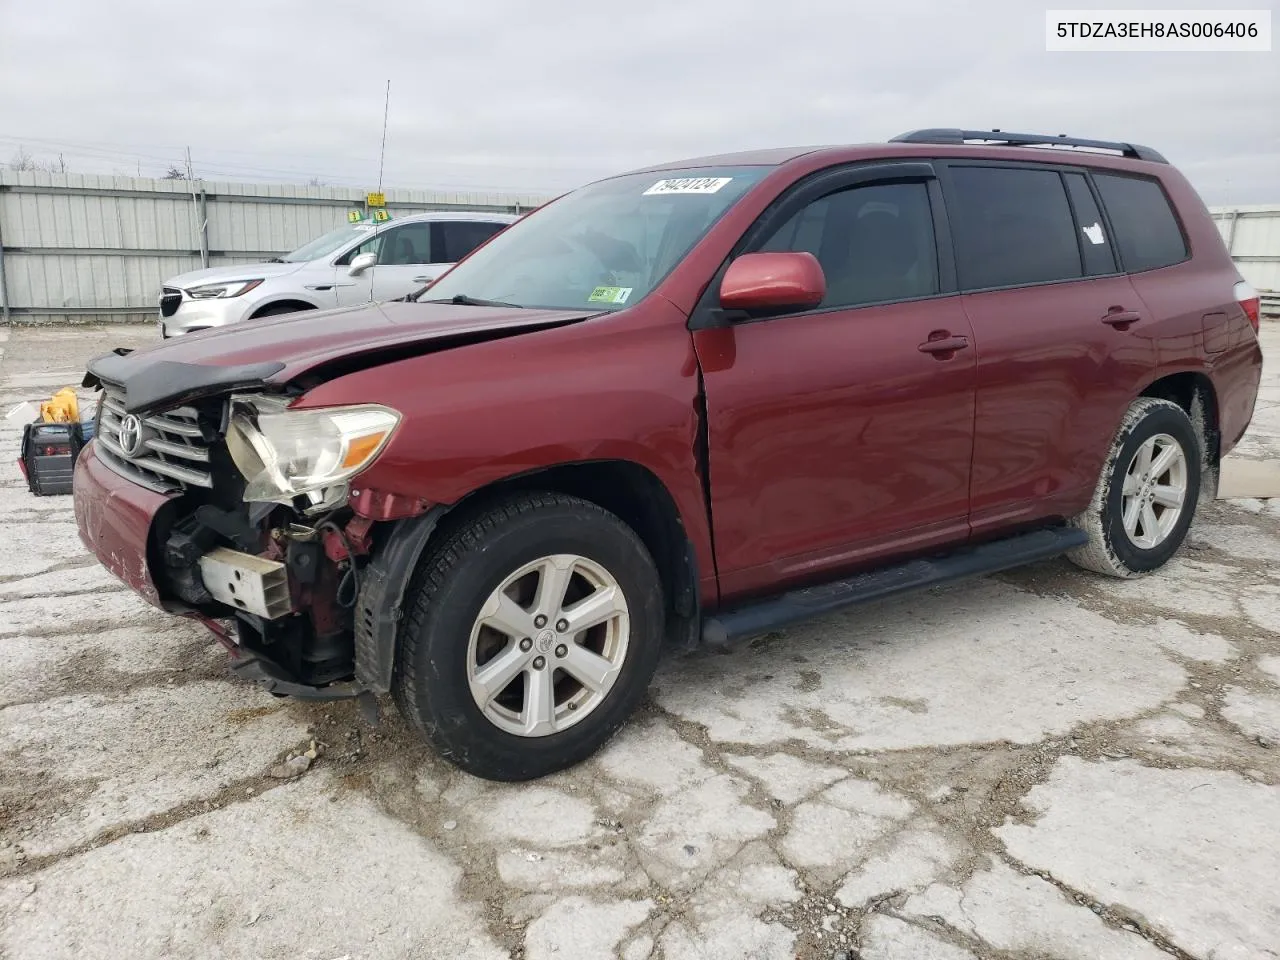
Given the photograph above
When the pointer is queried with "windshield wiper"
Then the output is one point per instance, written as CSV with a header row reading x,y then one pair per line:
x,y
274,260
463,300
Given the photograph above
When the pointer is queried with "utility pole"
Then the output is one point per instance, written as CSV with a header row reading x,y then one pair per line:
x,y
4,288
202,223
386,109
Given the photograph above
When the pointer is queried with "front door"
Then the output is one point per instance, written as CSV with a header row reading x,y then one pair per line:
x,y
843,435
404,261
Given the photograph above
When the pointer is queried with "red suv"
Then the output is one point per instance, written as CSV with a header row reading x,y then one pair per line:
x,y
690,403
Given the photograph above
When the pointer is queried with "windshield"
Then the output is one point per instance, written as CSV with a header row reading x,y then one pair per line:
x,y
603,246
331,241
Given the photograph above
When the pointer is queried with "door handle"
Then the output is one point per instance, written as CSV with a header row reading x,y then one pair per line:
x,y
423,279
1120,318
943,345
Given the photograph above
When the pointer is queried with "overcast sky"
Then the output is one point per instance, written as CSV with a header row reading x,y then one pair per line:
x,y
542,96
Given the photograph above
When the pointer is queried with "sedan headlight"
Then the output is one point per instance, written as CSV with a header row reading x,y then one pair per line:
x,y
284,453
221,291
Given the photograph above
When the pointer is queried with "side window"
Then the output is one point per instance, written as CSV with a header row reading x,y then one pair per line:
x,y
1098,256
407,244
1146,229
456,238
369,246
875,243
1012,226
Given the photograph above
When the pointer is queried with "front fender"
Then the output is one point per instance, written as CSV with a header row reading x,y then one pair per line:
x,y
621,388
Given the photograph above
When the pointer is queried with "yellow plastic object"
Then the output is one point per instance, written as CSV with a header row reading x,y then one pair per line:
x,y
62,407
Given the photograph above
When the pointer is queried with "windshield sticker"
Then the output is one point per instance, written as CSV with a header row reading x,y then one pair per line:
x,y
688,185
1094,233
609,295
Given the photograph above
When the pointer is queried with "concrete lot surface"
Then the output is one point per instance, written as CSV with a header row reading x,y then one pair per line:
x,y
1044,764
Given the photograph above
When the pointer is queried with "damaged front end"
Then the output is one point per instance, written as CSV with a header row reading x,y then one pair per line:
x,y
259,536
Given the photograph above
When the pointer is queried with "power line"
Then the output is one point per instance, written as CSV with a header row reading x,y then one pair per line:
x,y
217,168
156,150
175,158
162,154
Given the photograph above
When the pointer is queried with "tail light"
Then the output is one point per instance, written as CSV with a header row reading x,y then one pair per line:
x,y
1250,303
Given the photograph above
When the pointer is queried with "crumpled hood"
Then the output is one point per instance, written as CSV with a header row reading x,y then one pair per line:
x,y
276,350
237,271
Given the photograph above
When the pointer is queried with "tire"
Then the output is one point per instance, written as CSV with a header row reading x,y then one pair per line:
x,y
1113,549
446,639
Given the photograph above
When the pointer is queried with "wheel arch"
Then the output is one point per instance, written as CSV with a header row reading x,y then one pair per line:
x,y
627,489
294,302
1193,391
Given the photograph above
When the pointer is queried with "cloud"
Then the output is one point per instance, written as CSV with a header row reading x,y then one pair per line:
x,y
517,95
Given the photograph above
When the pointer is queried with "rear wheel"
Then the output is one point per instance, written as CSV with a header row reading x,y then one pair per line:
x,y
1146,496
534,631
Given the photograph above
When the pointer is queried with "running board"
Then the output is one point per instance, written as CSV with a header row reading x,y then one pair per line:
x,y
765,615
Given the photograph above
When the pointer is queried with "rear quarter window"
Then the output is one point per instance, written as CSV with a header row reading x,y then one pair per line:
x,y
1146,228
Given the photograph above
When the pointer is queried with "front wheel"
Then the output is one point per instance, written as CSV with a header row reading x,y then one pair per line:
x,y
534,631
1147,493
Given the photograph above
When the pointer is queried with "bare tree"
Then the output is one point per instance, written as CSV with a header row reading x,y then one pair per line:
x,y
22,160
174,173
25,161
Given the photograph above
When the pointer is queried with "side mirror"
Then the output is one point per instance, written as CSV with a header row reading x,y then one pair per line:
x,y
773,281
362,263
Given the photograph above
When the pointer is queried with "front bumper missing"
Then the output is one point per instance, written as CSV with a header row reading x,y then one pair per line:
x,y
247,582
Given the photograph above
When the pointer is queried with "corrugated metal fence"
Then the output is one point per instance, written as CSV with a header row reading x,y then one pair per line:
x,y
1252,235
93,248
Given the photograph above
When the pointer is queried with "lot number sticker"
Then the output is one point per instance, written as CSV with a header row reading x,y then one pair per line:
x,y
688,185
609,295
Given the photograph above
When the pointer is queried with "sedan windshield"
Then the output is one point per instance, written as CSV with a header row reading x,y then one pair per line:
x,y
603,246
331,241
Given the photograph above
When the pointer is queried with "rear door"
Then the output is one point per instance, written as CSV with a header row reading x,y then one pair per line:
x,y
842,435
1059,331
1184,296
451,240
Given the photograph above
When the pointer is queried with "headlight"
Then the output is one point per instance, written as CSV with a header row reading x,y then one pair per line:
x,y
283,453
221,291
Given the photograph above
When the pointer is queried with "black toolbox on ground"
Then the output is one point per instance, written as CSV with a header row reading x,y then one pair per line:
x,y
49,452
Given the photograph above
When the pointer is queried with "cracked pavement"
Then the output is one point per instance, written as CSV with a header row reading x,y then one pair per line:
x,y
1042,764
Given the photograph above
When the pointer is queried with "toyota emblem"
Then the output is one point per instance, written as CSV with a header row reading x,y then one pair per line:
x,y
130,436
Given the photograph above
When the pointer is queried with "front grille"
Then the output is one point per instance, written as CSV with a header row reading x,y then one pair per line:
x,y
170,299
166,451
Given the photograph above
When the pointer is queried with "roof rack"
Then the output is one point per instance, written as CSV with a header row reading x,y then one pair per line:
x,y
943,135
